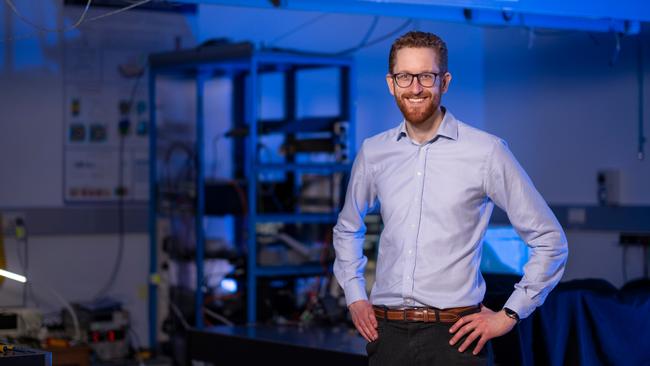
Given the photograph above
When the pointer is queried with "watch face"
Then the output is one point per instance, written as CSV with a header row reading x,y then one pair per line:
x,y
511,313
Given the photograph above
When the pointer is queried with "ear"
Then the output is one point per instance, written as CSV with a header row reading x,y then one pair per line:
x,y
444,83
391,84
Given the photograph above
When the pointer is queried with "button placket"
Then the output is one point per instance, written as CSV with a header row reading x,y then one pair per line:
x,y
414,220
416,217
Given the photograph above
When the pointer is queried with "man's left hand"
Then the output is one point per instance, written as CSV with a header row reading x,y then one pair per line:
x,y
483,326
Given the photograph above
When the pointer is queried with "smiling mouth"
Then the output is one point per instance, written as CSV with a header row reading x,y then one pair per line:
x,y
415,100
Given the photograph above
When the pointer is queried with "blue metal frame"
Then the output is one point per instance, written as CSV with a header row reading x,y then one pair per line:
x,y
251,154
623,16
640,75
200,200
153,215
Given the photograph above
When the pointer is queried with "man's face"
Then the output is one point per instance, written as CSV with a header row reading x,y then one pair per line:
x,y
418,103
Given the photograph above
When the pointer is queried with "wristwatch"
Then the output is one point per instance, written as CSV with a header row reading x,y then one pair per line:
x,y
511,314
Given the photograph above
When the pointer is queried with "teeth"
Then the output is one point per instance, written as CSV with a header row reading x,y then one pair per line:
x,y
415,100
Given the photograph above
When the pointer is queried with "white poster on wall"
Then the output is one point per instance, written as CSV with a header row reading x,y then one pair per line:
x,y
106,106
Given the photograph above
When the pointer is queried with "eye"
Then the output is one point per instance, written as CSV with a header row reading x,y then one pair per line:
x,y
426,77
402,77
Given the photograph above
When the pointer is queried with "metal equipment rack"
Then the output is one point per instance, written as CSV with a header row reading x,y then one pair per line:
x,y
244,65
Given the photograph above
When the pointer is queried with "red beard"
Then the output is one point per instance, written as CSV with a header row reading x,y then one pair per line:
x,y
419,113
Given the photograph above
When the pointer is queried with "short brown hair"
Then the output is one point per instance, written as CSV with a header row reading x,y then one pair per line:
x,y
417,39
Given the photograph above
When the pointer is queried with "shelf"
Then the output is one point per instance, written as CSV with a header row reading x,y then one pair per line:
x,y
324,168
239,56
300,270
289,218
308,124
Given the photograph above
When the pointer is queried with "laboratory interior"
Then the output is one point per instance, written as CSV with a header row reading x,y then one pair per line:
x,y
263,182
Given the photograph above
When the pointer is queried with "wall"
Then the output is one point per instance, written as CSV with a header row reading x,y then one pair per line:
x,y
568,113
597,254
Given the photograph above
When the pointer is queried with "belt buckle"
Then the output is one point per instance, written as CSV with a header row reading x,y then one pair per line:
x,y
425,311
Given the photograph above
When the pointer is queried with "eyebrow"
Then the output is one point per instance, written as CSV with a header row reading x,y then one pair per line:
x,y
415,73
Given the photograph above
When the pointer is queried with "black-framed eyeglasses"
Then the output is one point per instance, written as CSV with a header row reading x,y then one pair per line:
x,y
405,79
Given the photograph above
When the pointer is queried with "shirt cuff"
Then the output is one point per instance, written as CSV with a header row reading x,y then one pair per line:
x,y
355,291
521,304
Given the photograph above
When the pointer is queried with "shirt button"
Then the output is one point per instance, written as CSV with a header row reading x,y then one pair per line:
x,y
412,226
419,173
408,277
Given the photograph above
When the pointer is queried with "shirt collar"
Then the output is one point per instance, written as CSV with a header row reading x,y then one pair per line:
x,y
448,128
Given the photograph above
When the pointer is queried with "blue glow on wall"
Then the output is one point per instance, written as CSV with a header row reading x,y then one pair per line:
x,y
504,251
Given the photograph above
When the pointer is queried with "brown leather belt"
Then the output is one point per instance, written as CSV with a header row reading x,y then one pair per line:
x,y
427,315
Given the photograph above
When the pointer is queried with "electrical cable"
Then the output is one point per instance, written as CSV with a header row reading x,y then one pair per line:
x,y
365,38
120,225
640,72
79,21
114,12
179,315
66,304
378,40
70,309
371,29
21,235
346,51
218,316
82,19
121,191
389,35
297,28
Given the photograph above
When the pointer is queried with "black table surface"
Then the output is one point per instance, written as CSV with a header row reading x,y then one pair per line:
x,y
292,343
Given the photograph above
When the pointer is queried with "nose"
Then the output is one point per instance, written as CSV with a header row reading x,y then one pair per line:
x,y
415,87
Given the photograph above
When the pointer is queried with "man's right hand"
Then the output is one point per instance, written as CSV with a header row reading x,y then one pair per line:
x,y
364,319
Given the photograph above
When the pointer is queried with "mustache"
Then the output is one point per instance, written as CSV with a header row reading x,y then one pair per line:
x,y
424,93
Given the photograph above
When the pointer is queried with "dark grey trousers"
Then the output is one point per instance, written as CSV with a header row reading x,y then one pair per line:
x,y
403,343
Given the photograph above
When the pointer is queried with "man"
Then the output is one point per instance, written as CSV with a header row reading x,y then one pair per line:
x,y
436,180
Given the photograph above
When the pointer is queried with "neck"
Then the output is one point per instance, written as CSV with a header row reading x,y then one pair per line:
x,y
425,131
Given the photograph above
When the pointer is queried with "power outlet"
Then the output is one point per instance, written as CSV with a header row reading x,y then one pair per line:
x,y
9,219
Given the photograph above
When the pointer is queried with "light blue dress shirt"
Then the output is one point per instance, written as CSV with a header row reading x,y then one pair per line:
x,y
435,200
